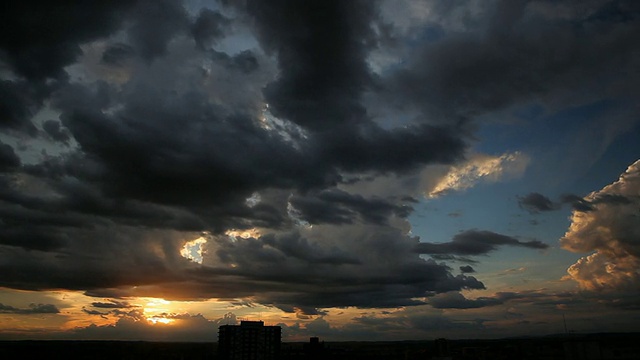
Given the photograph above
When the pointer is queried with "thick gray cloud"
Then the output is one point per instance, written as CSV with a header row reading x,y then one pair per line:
x,y
455,300
166,133
56,132
577,203
154,24
323,47
520,51
466,269
536,202
8,158
175,135
112,304
38,40
475,242
19,101
117,54
32,309
208,27
336,206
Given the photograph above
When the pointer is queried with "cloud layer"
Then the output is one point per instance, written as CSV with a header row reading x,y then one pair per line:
x,y
610,230
473,242
131,128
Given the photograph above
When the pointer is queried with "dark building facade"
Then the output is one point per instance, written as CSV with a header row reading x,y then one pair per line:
x,y
250,340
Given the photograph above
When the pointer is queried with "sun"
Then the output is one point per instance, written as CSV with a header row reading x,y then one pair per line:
x,y
160,320
156,310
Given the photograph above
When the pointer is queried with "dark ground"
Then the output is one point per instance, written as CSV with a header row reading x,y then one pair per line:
x,y
565,347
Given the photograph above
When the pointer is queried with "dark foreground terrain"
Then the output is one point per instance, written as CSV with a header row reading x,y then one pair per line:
x,y
565,347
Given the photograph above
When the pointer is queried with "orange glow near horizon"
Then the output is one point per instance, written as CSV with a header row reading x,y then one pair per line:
x,y
160,320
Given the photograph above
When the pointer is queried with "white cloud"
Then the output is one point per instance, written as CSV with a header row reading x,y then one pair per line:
x,y
479,168
611,231
192,250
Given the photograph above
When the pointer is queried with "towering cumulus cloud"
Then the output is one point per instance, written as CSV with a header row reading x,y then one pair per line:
x,y
611,230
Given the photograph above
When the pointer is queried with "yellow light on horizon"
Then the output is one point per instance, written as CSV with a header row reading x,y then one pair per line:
x,y
245,234
160,320
155,302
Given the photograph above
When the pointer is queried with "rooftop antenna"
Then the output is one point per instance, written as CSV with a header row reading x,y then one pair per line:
x,y
564,320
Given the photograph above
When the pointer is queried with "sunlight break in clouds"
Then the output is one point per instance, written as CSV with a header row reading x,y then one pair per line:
x,y
192,250
245,234
160,320
611,230
481,168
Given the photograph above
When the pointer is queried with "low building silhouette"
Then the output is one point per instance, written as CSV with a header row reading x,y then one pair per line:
x,y
315,349
250,340
442,350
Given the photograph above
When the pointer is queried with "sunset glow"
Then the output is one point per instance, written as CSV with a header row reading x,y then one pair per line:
x,y
160,320
245,234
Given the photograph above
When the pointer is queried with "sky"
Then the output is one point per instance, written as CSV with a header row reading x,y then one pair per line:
x,y
353,170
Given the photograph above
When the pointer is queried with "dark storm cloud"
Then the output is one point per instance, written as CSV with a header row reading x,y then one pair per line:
x,y
246,61
583,204
94,258
322,52
370,148
321,48
112,304
44,238
94,312
208,27
175,141
312,276
56,132
475,242
132,147
455,300
577,203
292,271
39,39
336,206
18,102
292,245
467,269
535,202
8,158
117,54
146,165
540,298
519,52
450,257
404,289
373,326
154,24
32,309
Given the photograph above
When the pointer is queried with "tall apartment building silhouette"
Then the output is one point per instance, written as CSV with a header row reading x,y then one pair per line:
x,y
250,340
